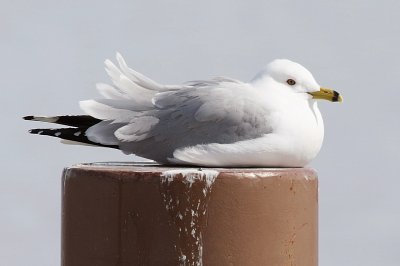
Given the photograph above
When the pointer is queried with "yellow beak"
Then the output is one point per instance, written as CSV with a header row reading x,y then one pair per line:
x,y
327,94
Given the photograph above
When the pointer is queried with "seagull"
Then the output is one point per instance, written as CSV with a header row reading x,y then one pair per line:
x,y
271,121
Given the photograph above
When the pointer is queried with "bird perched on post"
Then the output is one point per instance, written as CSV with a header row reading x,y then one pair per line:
x,y
271,121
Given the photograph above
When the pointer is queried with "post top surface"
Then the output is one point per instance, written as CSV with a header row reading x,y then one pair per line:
x,y
149,167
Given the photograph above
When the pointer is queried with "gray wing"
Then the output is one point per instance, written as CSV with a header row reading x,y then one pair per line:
x,y
153,120
217,111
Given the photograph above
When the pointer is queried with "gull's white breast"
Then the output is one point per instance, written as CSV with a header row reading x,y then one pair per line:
x,y
297,136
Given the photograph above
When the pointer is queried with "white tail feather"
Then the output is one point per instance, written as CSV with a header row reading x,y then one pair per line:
x,y
129,85
134,90
109,92
137,77
112,70
105,112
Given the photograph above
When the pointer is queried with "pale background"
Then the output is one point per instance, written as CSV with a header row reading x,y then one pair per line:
x,y
52,54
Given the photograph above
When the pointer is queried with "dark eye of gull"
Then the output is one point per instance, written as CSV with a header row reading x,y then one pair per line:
x,y
291,82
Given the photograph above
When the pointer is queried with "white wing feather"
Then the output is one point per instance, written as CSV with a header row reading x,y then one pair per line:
x,y
126,104
137,129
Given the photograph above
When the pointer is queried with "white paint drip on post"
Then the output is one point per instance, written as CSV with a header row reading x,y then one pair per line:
x,y
186,194
190,176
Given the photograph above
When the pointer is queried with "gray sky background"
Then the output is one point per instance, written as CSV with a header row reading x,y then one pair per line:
x,y
52,54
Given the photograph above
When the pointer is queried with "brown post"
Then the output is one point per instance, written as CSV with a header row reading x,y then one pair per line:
x,y
130,214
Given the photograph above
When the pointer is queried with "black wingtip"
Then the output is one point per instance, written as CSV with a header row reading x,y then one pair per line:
x,y
72,134
28,117
36,131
